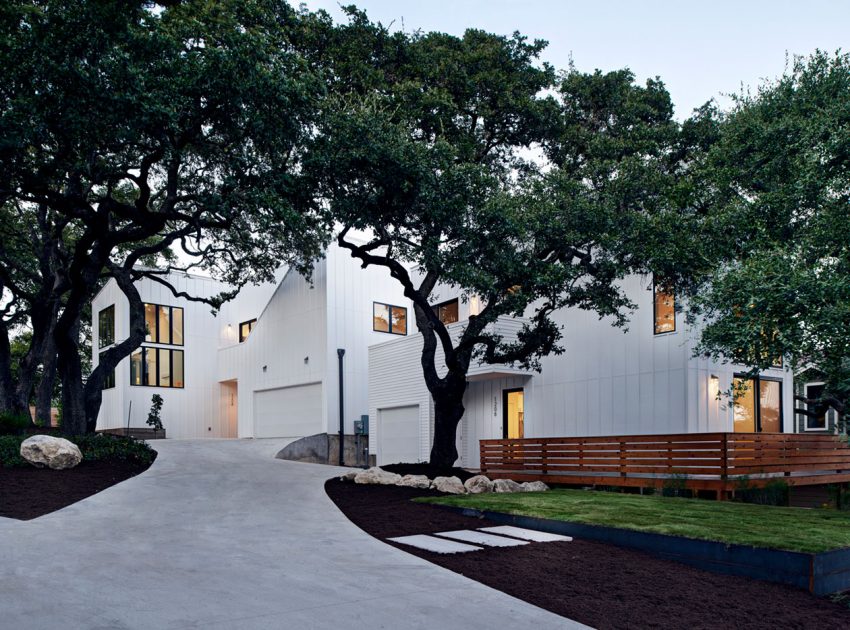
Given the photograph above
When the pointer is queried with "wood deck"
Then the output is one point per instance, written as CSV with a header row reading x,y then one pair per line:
x,y
701,461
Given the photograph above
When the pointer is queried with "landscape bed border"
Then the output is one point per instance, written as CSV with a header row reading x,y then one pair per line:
x,y
819,573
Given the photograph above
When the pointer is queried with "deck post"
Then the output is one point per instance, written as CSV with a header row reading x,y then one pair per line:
x,y
544,457
622,445
724,466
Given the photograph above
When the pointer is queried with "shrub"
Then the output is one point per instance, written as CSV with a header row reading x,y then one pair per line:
x,y
676,486
13,424
104,447
93,447
774,492
10,451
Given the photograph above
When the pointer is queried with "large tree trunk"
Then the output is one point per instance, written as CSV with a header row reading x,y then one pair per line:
x,y
448,411
7,383
47,385
71,374
42,319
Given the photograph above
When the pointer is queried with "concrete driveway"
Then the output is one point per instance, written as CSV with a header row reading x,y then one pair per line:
x,y
219,534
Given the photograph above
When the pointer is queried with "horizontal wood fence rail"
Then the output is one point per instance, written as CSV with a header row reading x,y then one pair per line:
x,y
711,461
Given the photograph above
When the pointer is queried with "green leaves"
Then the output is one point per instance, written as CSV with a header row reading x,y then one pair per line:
x,y
778,226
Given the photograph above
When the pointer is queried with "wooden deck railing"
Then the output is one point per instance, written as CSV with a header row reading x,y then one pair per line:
x,y
715,461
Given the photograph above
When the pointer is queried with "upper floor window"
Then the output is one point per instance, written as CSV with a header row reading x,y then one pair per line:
x,y
448,312
388,318
663,308
156,367
245,329
106,327
164,324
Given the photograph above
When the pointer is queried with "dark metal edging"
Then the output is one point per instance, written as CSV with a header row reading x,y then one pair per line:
x,y
819,573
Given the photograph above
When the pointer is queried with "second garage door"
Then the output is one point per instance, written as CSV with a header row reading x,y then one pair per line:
x,y
398,435
288,411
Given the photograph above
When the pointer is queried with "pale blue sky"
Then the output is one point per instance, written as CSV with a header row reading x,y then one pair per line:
x,y
699,49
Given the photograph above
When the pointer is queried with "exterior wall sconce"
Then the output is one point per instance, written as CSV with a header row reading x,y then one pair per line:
x,y
306,360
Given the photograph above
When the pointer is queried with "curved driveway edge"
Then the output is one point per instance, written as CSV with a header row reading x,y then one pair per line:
x,y
219,534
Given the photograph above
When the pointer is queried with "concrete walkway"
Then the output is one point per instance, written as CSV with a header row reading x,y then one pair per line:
x,y
219,534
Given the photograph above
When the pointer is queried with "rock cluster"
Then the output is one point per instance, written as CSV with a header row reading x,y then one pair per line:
x,y
450,485
54,452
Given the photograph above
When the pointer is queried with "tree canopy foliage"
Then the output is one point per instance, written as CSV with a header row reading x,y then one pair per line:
x,y
130,130
474,165
777,189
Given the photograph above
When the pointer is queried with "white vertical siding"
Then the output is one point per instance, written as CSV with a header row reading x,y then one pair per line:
x,y
609,381
193,411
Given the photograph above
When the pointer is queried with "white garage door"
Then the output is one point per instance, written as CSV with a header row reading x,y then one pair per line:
x,y
288,411
398,435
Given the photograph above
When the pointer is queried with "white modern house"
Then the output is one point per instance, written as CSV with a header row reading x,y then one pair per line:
x,y
268,365
608,382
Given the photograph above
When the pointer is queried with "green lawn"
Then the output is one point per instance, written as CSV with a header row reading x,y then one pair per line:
x,y
794,529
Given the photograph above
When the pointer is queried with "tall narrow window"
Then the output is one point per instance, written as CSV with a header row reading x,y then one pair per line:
x,y
150,322
388,318
448,312
177,326
136,367
664,308
106,327
109,379
245,329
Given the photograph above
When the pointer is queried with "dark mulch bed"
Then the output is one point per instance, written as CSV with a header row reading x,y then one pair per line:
x,y
597,584
27,493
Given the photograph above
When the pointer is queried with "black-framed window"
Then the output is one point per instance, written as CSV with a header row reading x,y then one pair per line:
x,y
164,324
663,308
109,379
758,405
157,367
245,329
106,327
818,422
448,312
389,319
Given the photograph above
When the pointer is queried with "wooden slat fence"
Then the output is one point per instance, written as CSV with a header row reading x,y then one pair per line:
x,y
715,461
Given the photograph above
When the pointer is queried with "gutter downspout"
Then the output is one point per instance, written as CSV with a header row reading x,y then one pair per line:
x,y
340,353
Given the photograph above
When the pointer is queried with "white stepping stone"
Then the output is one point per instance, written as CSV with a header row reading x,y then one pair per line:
x,y
437,545
526,534
481,538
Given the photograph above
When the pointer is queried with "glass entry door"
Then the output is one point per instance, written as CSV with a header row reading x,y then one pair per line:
x,y
758,405
513,406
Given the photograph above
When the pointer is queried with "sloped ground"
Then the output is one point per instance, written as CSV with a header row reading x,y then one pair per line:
x,y
596,584
219,534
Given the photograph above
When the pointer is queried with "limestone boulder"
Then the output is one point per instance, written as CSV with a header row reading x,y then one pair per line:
x,y
534,486
415,481
54,452
506,485
377,476
478,485
449,485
